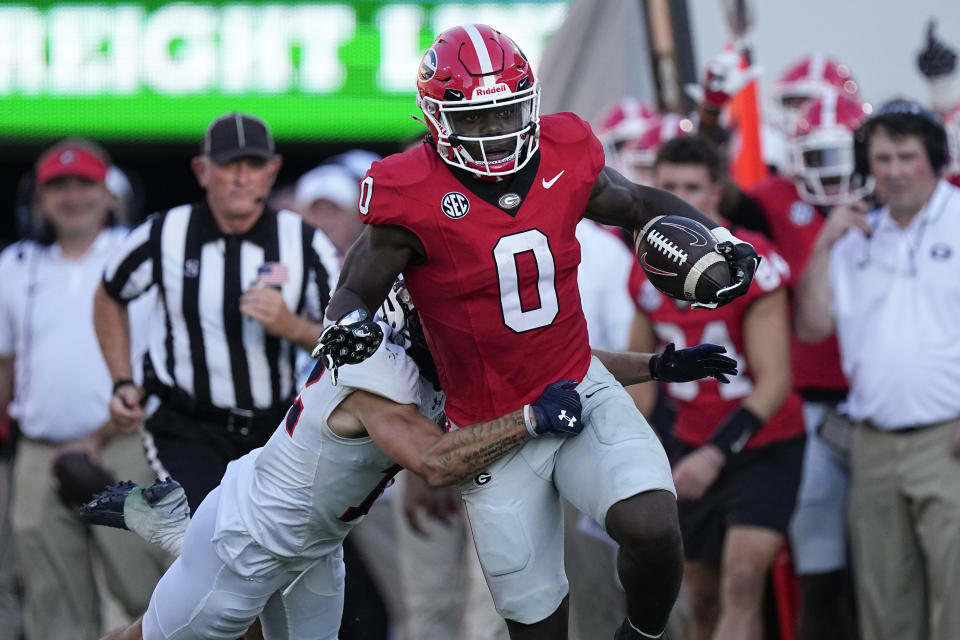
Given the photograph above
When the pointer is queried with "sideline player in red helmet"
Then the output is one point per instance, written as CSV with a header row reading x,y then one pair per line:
x,y
626,120
638,154
811,77
823,176
481,222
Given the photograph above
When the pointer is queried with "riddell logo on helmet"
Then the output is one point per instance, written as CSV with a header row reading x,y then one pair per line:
x,y
500,87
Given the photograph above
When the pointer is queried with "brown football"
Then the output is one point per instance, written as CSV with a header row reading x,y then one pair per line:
x,y
680,259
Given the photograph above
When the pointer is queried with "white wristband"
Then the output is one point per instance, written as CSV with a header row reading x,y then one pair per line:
x,y
722,234
526,420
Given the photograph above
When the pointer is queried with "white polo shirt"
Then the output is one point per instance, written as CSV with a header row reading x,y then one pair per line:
x,y
62,386
896,301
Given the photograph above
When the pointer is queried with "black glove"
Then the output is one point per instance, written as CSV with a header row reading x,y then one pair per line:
x,y
743,261
351,341
936,59
686,365
557,410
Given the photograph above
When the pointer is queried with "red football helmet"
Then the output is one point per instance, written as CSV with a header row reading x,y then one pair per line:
x,y
624,121
811,77
639,153
951,122
480,100
822,150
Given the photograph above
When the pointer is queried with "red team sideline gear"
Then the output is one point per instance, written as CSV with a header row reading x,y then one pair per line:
x,y
703,405
499,287
795,225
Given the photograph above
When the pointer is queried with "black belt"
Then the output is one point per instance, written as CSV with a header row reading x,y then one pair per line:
x,y
912,428
242,421
822,395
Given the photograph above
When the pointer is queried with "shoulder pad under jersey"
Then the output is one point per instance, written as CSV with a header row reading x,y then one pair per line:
x,y
389,372
564,128
403,169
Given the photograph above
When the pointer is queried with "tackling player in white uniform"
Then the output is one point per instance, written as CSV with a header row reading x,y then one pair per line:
x,y
267,541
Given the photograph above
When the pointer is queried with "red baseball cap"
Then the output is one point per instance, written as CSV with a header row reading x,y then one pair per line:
x,y
71,160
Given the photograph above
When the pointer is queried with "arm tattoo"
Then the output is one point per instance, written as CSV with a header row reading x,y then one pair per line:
x,y
470,449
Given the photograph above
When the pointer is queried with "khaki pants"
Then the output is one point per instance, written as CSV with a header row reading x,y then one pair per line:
x,y
9,601
904,520
56,549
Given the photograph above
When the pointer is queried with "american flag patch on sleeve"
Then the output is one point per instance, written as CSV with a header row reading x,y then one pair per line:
x,y
273,274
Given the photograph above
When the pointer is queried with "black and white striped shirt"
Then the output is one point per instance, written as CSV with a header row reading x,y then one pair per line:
x,y
199,340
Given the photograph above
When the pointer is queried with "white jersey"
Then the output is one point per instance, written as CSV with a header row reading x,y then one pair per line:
x,y
301,493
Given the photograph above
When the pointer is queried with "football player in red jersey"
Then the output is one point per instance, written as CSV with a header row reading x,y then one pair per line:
x,y
739,447
627,119
824,177
481,222
809,78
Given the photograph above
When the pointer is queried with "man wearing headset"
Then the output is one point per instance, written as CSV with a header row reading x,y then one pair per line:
x,y
885,281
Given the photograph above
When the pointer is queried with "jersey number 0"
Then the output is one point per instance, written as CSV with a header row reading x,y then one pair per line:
x,y
505,254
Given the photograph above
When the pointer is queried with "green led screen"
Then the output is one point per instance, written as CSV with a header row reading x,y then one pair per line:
x,y
152,70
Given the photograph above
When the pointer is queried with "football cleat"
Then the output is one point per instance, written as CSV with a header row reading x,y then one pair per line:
x,y
158,513
106,507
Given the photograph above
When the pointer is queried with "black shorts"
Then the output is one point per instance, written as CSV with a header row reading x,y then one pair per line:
x,y
757,487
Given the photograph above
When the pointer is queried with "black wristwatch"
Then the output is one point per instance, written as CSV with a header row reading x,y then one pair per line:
x,y
122,382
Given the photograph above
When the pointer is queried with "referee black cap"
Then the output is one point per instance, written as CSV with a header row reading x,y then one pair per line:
x,y
237,135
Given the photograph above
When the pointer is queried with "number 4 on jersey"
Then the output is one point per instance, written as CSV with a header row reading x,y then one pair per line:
x,y
714,333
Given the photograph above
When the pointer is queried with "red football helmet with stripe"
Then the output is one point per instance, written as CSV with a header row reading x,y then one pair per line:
x,y
822,150
809,78
626,120
638,155
480,100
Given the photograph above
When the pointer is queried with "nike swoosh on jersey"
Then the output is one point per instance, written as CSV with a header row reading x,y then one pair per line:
x,y
593,393
549,183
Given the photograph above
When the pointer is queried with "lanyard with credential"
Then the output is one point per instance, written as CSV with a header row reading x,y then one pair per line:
x,y
931,210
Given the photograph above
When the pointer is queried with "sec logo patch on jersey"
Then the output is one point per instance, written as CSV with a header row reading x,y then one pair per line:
x,y
455,205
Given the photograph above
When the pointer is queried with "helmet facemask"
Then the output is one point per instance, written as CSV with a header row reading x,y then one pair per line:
x,y
824,167
490,137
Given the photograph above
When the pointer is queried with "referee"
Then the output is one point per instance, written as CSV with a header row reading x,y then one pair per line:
x,y
241,286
